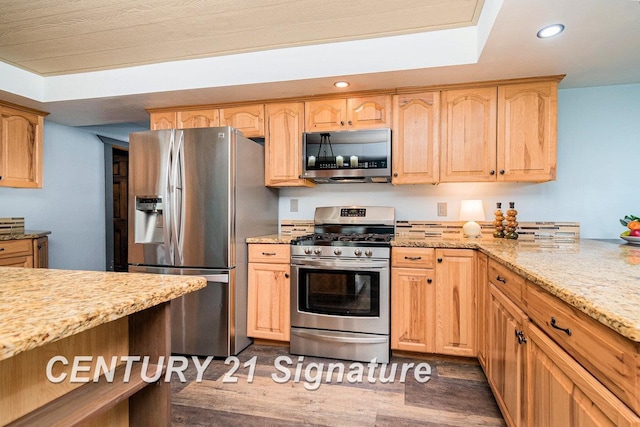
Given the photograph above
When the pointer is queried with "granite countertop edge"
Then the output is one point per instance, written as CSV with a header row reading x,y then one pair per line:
x,y
28,234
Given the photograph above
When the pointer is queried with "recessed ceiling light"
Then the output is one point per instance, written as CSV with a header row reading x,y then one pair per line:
x,y
341,84
550,31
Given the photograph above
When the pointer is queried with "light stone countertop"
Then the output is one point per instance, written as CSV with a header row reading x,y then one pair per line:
x,y
39,306
599,278
28,234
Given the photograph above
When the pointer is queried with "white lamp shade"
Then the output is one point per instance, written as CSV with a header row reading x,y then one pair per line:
x,y
471,210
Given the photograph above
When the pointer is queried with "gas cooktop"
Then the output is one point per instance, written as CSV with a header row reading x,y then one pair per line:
x,y
344,239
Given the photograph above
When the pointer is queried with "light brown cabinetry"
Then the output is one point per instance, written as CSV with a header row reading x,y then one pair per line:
x,y
527,128
249,119
482,265
268,292
562,393
413,307
416,138
456,302
367,112
499,133
433,301
29,253
468,134
283,145
21,152
507,356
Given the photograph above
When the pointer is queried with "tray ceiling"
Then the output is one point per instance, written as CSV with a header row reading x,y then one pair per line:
x,y
54,37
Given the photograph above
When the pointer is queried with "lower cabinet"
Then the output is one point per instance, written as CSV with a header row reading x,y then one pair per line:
x,y
433,301
562,393
28,253
268,307
506,357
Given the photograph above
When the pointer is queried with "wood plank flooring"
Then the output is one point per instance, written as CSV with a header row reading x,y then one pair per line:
x,y
457,394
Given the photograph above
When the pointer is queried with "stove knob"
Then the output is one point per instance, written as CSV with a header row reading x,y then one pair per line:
x,y
307,251
357,252
317,251
368,252
337,251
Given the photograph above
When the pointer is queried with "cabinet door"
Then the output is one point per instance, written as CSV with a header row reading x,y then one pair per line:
x,y
327,114
41,252
268,301
483,298
19,261
527,115
413,309
248,119
165,120
283,145
468,135
20,148
563,393
198,119
416,138
507,357
369,112
456,302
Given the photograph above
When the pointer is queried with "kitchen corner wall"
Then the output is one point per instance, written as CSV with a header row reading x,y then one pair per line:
x,y
598,179
71,202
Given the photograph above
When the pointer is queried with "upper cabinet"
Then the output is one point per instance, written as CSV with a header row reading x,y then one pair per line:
x,y
415,138
468,135
500,133
21,147
249,119
283,145
527,123
368,112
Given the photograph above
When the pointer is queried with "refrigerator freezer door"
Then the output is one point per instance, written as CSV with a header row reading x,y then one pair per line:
x,y
193,172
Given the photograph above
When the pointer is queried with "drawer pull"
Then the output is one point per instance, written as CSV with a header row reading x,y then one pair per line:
x,y
439,259
1,249
501,279
555,326
520,336
413,258
286,275
268,253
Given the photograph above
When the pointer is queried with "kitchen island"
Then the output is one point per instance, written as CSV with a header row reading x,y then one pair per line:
x,y
50,317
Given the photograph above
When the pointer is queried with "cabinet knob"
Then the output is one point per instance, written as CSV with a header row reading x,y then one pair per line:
x,y
286,275
429,280
501,171
350,123
395,174
439,259
492,172
520,336
341,123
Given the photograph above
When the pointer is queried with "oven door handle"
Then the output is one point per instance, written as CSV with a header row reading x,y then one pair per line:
x,y
343,265
334,338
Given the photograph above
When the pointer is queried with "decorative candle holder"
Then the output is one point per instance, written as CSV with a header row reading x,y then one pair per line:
x,y
512,223
498,223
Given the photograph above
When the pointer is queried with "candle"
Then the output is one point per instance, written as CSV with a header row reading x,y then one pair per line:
x,y
311,161
339,161
353,161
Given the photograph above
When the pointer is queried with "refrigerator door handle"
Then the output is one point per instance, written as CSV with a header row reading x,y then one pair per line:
x,y
168,214
179,214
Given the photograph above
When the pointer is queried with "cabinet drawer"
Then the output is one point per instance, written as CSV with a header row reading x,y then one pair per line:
x,y
13,248
269,253
18,261
412,257
607,355
510,283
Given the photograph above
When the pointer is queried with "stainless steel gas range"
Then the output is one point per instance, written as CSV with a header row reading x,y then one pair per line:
x,y
340,284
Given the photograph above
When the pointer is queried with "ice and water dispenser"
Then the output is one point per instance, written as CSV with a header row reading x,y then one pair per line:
x,y
149,223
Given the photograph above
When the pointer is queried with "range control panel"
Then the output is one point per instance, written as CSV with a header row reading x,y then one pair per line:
x,y
353,212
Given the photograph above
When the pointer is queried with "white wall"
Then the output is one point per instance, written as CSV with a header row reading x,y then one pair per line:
x,y
598,178
71,202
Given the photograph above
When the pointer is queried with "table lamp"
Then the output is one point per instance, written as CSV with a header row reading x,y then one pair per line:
x,y
471,211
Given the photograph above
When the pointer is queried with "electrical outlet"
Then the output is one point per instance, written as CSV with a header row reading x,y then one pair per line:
x,y
442,209
293,205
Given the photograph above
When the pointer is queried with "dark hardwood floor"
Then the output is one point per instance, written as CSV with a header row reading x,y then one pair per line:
x,y
456,394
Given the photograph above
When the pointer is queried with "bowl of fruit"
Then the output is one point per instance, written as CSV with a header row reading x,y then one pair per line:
x,y
632,233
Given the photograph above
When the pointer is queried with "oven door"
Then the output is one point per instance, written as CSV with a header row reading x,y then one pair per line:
x,y
340,295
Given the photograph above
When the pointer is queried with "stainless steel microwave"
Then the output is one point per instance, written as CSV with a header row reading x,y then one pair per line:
x,y
347,156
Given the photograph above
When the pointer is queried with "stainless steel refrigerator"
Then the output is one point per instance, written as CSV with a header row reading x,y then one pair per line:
x,y
195,195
